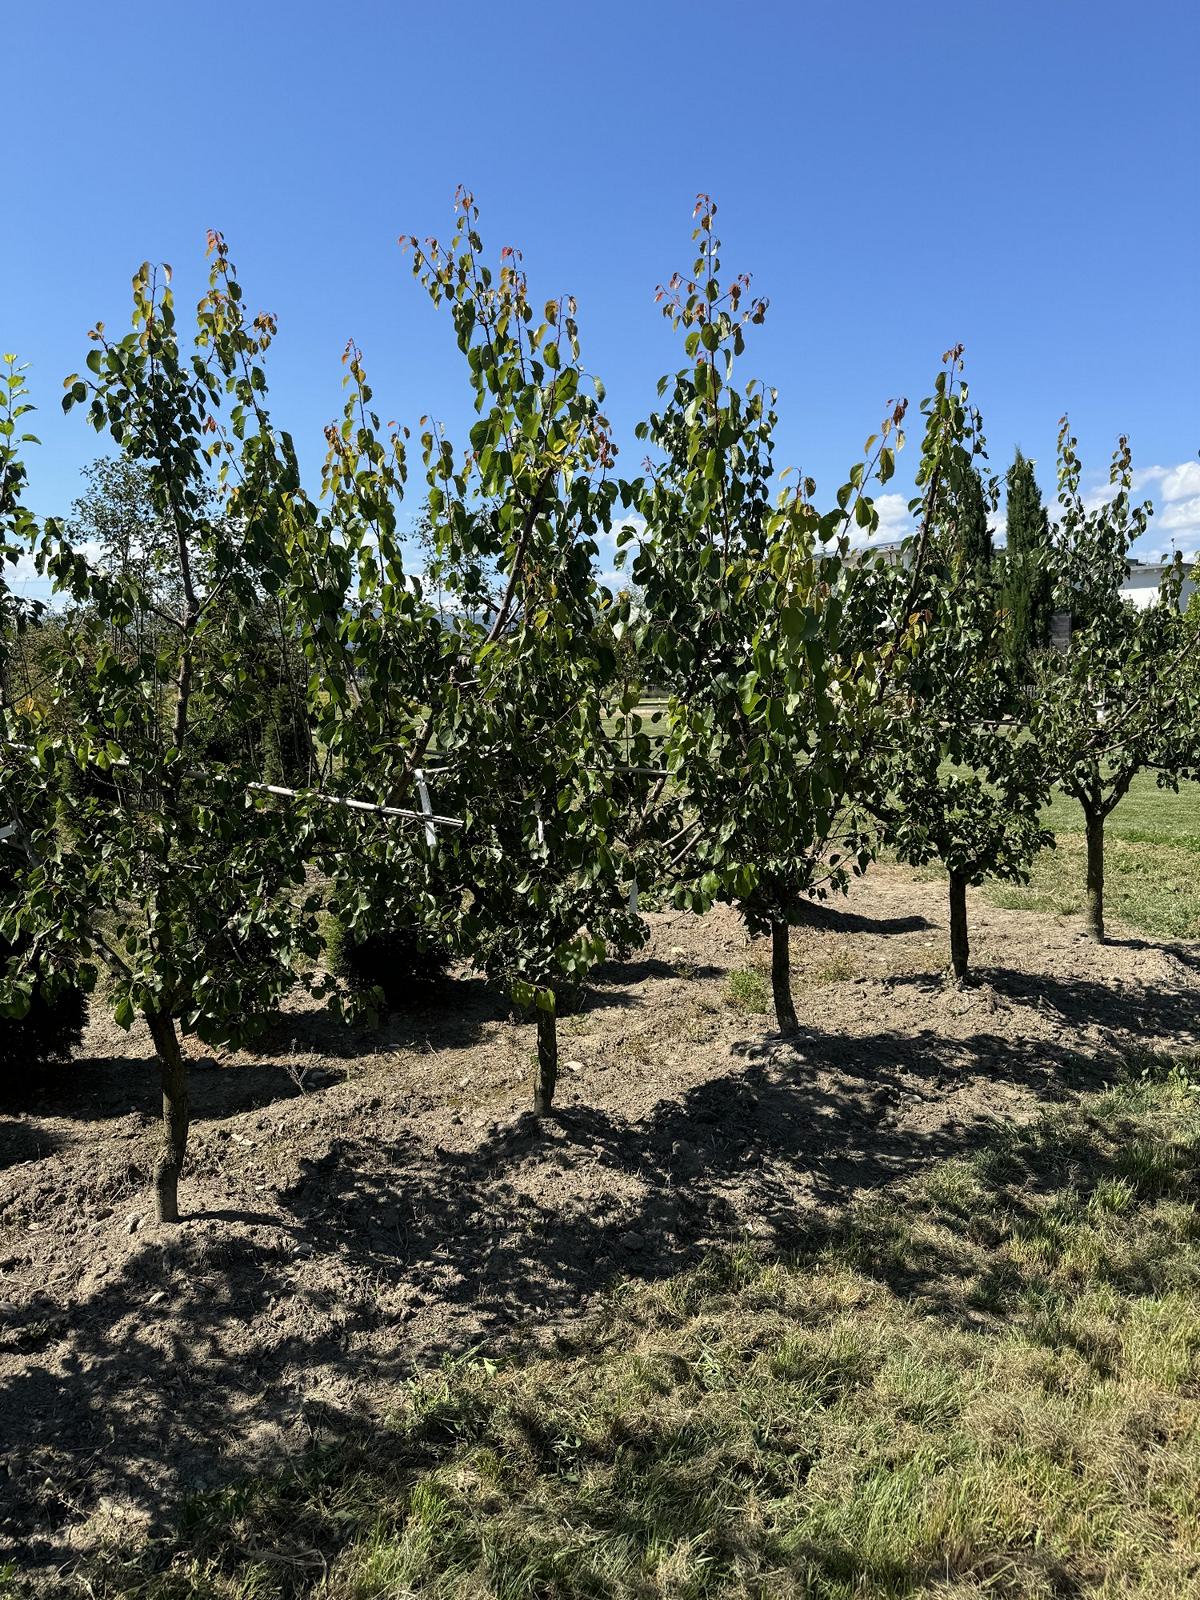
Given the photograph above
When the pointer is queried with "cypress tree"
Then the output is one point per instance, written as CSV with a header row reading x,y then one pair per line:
x,y
974,535
1027,585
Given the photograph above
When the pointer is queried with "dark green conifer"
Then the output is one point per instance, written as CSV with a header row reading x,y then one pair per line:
x,y
1027,595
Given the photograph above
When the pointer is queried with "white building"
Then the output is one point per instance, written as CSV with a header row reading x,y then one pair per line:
x,y
1141,587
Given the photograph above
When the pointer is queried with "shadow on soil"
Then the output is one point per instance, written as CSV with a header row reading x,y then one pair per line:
x,y
293,1055
1079,1002
103,1088
456,1011
505,1239
838,919
19,1141
608,980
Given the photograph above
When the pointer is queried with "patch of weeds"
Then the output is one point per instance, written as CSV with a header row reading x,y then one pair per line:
x,y
1151,1166
840,968
827,1363
954,1186
746,991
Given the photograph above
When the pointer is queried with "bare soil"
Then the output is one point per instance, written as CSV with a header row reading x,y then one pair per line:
x,y
357,1207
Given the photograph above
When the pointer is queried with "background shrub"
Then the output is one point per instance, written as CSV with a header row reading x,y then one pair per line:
x,y
406,964
49,1031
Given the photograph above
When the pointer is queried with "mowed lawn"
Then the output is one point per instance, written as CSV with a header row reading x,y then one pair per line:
x,y
1152,862
982,1382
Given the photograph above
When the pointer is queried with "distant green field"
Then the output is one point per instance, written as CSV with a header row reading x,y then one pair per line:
x,y
1152,862
1147,815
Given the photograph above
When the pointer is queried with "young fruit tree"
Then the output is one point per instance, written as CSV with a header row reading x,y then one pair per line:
x,y
956,780
1124,695
743,589
381,659
518,722
166,867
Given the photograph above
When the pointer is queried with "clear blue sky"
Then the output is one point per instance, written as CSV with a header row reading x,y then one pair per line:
x,y
1017,174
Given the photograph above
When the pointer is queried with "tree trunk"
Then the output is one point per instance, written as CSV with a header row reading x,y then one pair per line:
x,y
173,1075
1094,917
781,978
547,1062
960,949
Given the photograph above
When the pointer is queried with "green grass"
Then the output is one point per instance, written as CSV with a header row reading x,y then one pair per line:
x,y
985,1382
650,713
1154,888
1146,815
1152,862
747,988
746,991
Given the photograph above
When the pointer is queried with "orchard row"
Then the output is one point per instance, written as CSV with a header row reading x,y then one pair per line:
x,y
764,704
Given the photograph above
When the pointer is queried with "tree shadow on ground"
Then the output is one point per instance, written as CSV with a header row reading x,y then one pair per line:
x,y
1187,953
105,1087
613,976
297,1052
624,974
292,1056
456,1011
791,1138
20,1141
386,1251
839,919
1079,1002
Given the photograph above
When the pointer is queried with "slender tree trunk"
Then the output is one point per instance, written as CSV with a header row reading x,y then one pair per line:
x,y
1094,918
176,1115
960,949
781,978
547,1062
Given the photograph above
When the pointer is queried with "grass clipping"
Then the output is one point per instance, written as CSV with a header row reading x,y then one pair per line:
x,y
986,1382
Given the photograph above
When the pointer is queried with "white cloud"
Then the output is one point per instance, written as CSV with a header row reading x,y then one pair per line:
x,y
1184,514
1175,494
1176,521
22,577
20,573
894,519
1169,483
1181,483
636,525
895,523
